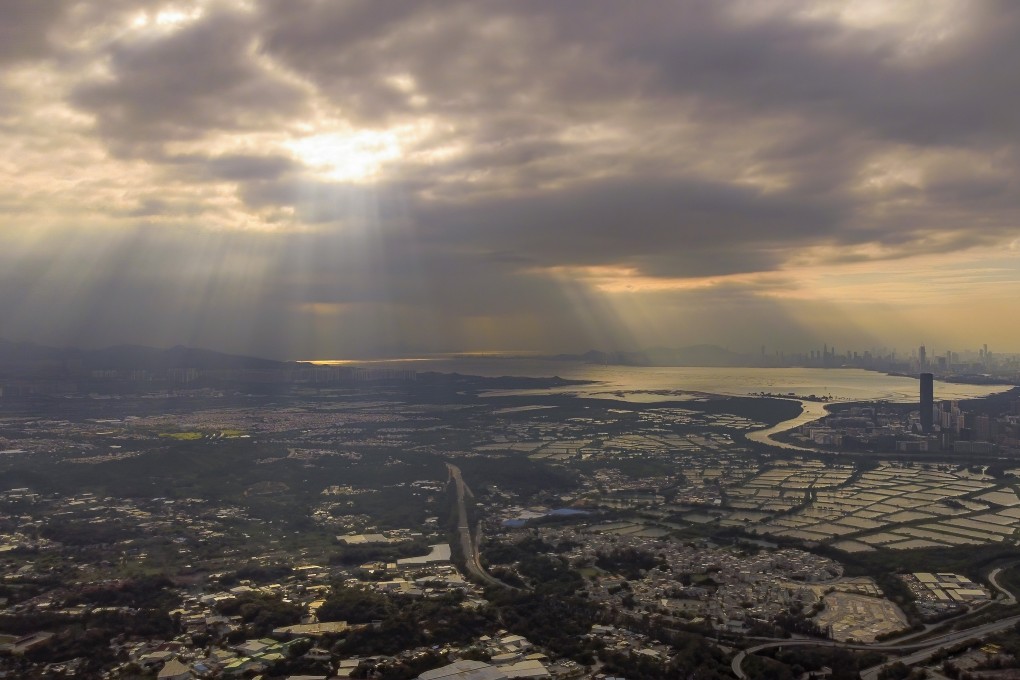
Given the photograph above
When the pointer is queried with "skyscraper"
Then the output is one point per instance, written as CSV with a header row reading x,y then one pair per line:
x,y
922,357
927,401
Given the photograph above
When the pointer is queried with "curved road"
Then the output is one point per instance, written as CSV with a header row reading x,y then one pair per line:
x,y
915,652
469,547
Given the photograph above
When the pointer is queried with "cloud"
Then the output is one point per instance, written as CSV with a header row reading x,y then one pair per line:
x,y
248,167
668,227
25,26
187,84
444,175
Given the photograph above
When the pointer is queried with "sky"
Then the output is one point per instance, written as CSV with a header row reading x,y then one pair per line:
x,y
324,179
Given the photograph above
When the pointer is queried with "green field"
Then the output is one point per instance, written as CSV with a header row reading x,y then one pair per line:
x,y
183,436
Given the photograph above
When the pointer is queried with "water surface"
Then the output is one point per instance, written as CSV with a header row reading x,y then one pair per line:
x,y
648,383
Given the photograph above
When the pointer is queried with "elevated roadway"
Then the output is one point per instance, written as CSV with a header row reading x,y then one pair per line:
x,y
910,653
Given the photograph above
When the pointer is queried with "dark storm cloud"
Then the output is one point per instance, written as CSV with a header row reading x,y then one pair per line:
x,y
960,90
247,167
508,79
694,224
672,140
663,228
464,57
25,26
186,85
484,56
511,76
959,188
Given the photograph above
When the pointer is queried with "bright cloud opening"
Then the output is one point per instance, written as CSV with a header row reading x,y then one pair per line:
x,y
347,156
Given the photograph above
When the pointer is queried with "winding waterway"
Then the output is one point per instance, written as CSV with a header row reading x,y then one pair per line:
x,y
810,411
671,383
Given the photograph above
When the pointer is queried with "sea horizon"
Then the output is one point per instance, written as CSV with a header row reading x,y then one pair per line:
x,y
666,383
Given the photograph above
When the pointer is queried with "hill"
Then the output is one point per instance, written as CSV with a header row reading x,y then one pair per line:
x,y
127,357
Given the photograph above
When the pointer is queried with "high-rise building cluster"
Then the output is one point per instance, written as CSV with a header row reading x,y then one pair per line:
x,y
951,427
937,425
979,365
927,402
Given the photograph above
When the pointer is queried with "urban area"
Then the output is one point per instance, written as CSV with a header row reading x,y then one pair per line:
x,y
190,523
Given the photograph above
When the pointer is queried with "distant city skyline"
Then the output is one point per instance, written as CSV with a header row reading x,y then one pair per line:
x,y
295,179
826,356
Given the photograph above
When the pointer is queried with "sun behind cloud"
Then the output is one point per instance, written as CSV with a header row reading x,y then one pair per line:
x,y
308,178
347,156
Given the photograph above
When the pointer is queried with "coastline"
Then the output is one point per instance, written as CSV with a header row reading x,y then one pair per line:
x,y
971,379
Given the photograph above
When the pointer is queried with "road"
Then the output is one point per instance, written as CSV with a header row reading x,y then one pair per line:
x,y
925,649
915,652
469,547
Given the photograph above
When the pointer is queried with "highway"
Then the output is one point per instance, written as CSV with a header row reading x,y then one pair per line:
x,y
933,645
469,546
913,653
